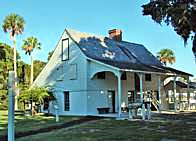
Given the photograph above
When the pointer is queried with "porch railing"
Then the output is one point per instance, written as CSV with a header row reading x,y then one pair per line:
x,y
149,96
155,102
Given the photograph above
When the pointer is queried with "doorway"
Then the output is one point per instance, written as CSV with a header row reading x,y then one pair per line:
x,y
137,82
111,101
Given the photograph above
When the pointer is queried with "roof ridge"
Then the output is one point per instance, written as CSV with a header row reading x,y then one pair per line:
x,y
84,33
100,36
131,43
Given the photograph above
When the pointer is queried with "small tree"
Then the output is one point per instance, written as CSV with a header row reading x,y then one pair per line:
x,y
36,95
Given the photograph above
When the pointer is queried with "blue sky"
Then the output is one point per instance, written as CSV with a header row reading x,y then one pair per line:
x,y
46,20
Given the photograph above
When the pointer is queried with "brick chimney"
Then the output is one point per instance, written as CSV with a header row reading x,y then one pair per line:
x,y
115,34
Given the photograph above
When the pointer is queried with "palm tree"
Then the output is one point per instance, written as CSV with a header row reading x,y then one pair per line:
x,y
14,24
29,45
166,56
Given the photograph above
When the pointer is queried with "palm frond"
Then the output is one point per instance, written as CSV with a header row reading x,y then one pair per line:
x,y
14,24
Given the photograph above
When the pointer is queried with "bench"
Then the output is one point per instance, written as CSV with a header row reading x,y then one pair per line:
x,y
104,110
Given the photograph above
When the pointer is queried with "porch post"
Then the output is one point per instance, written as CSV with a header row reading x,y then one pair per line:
x,y
141,95
188,93
56,107
174,91
179,97
119,93
159,92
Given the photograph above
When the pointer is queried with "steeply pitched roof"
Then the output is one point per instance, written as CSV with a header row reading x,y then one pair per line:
x,y
123,55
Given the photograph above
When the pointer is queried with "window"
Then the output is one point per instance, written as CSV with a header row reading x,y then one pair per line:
x,y
59,73
73,71
124,76
147,77
66,101
101,75
65,49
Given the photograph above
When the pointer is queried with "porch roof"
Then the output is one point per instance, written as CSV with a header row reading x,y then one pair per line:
x,y
179,84
178,72
133,66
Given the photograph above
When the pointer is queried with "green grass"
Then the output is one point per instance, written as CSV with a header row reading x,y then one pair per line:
x,y
114,130
183,129
27,123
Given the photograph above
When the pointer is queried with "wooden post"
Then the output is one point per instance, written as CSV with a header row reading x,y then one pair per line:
x,y
179,97
174,91
159,92
188,93
56,108
11,100
119,93
56,112
141,96
149,111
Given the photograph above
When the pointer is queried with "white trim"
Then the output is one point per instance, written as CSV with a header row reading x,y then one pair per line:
x,y
147,72
103,63
174,92
127,70
119,93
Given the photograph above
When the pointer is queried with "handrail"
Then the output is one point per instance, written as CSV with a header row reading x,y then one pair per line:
x,y
155,102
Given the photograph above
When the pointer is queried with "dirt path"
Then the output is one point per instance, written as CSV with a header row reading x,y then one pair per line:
x,y
51,128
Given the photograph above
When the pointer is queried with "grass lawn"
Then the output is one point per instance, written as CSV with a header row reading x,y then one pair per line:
x,y
173,127
27,123
114,130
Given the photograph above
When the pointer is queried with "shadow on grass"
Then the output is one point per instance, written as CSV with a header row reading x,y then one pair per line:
x,y
50,128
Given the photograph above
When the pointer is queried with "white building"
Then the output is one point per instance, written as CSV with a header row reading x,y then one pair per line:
x,y
183,94
88,73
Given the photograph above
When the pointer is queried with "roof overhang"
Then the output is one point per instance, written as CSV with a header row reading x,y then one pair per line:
x,y
178,72
159,70
130,70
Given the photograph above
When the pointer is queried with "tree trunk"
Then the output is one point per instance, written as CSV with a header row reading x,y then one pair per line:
x,y
15,69
31,80
15,72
